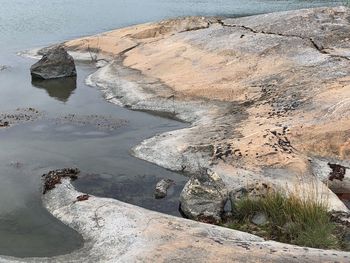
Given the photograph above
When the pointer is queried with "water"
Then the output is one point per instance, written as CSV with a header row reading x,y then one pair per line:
x,y
31,149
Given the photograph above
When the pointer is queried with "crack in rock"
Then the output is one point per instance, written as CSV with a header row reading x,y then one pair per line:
x,y
310,40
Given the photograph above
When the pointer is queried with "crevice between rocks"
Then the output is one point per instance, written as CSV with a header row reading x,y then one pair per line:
x,y
309,39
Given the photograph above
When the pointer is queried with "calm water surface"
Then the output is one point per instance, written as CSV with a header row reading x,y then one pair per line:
x,y
29,150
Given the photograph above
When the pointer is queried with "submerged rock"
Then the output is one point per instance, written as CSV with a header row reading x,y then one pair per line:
x,y
20,115
56,63
162,188
204,197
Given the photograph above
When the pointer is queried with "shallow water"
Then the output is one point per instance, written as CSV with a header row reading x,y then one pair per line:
x,y
31,149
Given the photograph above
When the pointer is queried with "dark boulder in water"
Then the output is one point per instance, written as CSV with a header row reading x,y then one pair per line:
x,y
55,63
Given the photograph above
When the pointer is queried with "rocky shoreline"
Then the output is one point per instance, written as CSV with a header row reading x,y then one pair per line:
x,y
116,231
263,106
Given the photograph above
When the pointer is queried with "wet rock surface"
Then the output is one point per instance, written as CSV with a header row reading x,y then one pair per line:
x,y
20,115
162,188
204,197
55,63
100,122
104,123
52,178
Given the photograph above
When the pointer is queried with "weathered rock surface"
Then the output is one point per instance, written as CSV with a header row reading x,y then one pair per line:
x,y
204,197
162,187
264,94
258,90
117,232
252,191
55,63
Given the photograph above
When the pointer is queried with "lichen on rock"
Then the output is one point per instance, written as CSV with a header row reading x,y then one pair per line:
x,y
204,197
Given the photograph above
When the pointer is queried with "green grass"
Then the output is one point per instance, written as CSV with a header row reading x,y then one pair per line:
x,y
290,220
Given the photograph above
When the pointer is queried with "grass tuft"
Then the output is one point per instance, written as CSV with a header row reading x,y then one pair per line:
x,y
290,220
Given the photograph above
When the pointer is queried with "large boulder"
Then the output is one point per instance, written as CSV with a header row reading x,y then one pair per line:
x,y
204,197
55,63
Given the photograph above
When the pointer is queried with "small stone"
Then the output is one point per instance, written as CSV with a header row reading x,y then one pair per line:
x,y
162,188
84,197
259,219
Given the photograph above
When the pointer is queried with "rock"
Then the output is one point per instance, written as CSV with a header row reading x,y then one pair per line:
x,y
251,191
342,218
259,219
114,231
204,197
257,190
346,239
162,188
332,172
83,197
55,177
56,63
20,115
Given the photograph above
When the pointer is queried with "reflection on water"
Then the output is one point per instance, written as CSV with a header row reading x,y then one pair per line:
x,y
60,89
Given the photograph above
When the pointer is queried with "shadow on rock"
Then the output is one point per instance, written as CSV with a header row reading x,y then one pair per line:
x,y
59,89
